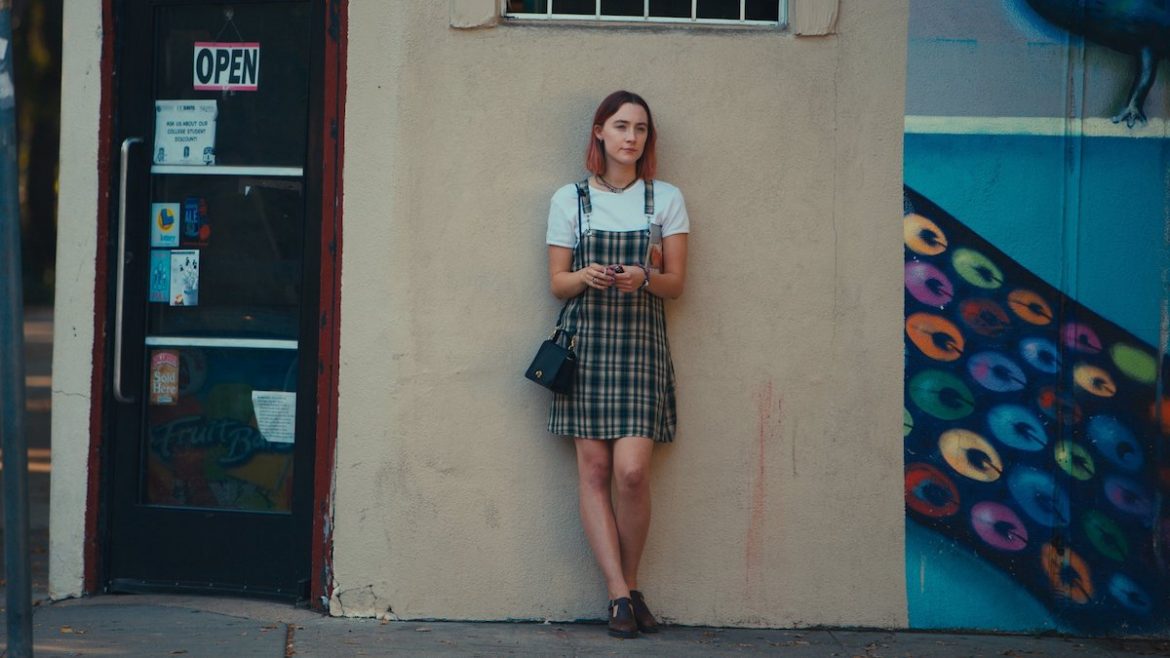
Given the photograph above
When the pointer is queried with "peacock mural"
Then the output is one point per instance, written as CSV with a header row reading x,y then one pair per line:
x,y
1037,278
1140,28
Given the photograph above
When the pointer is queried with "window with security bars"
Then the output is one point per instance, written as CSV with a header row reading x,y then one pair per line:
x,y
707,12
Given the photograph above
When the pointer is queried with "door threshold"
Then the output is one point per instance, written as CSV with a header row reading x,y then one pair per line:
x,y
298,599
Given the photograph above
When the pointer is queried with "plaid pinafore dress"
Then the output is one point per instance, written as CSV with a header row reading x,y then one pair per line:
x,y
625,379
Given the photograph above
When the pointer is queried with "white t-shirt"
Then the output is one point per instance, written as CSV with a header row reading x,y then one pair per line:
x,y
623,211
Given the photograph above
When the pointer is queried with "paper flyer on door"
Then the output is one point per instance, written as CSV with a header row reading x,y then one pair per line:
x,y
160,275
185,277
164,377
196,229
184,132
276,415
164,224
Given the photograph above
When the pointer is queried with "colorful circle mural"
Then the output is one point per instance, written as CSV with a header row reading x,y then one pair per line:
x,y
928,284
1034,434
1073,459
1030,307
996,372
936,336
929,491
984,317
999,526
923,236
1115,442
1041,354
1017,426
1094,380
1135,363
941,395
976,269
1105,535
1040,496
1080,338
970,455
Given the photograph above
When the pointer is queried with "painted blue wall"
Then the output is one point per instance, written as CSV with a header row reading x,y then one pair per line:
x,y
1011,189
989,86
951,587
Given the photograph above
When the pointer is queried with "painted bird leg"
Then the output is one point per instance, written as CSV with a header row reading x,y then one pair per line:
x,y
1145,71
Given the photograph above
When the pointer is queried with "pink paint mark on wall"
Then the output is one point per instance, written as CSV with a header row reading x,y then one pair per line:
x,y
766,403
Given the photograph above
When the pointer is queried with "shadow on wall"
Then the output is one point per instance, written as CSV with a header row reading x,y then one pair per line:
x,y
1034,433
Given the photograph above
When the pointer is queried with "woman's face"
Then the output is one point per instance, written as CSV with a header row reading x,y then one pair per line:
x,y
624,134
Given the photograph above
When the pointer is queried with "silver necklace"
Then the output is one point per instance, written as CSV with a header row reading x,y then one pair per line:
x,y
614,188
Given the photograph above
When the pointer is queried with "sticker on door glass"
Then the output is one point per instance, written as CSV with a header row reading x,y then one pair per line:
x,y
164,224
7,91
185,277
184,132
226,66
164,377
275,415
196,228
160,275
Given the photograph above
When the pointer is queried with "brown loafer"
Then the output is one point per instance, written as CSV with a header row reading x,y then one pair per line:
x,y
642,615
621,619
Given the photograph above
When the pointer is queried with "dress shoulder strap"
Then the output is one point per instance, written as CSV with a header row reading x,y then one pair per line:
x,y
649,204
583,195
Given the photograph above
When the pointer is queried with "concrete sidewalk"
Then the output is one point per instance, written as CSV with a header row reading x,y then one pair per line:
x,y
170,625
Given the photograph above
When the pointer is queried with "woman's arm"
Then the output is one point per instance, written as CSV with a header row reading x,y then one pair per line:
x,y
566,283
667,283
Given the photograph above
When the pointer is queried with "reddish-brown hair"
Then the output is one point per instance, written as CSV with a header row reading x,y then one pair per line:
x,y
595,153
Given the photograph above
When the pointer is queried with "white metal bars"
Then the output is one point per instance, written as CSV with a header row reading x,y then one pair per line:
x,y
550,13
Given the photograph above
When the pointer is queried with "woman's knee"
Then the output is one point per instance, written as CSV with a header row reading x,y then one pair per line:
x,y
631,464
632,477
594,467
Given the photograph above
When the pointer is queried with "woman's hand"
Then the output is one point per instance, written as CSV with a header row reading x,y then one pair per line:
x,y
628,278
566,282
596,276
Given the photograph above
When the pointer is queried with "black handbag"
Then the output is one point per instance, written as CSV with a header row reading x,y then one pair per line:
x,y
555,365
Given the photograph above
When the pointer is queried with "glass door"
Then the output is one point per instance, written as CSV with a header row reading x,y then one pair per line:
x,y
210,482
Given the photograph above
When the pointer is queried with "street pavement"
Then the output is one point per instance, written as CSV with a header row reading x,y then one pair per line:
x,y
38,358
178,625
174,625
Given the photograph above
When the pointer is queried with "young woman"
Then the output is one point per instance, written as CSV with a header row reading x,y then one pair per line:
x,y
622,401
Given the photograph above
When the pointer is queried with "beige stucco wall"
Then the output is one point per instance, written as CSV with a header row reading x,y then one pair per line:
x,y
73,318
781,501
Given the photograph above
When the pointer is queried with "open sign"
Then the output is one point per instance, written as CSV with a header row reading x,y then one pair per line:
x,y
234,66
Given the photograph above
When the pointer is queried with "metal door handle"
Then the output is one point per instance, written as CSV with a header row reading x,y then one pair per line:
x,y
124,166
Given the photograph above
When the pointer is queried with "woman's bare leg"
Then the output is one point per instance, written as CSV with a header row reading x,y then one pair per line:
x,y
594,466
631,469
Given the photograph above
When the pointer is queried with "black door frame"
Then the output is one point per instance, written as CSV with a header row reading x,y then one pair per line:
x,y
320,328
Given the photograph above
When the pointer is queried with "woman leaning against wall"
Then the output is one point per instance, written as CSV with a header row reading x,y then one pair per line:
x,y
622,401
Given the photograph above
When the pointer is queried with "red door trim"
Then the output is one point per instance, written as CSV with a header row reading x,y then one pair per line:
x,y
333,125
92,550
